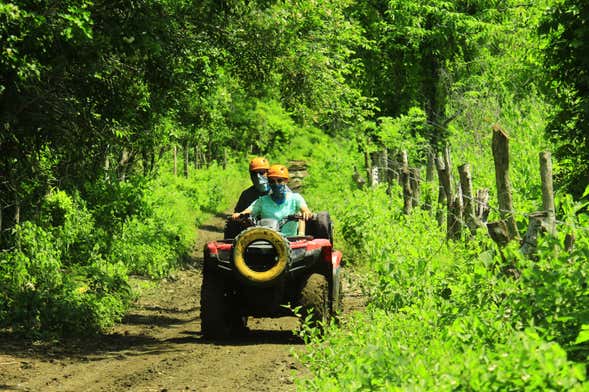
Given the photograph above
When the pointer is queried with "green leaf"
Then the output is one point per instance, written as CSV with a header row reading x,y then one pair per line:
x,y
583,335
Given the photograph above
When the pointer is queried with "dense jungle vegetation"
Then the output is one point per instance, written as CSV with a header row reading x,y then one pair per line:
x,y
97,99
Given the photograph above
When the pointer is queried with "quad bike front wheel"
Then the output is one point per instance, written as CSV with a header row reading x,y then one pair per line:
x,y
219,316
247,268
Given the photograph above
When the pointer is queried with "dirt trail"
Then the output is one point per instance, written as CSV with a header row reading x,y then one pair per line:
x,y
158,347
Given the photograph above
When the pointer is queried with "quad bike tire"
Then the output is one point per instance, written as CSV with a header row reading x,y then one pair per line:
x,y
320,226
219,315
314,301
246,238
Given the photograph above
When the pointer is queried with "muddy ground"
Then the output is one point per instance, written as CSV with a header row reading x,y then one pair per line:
x,y
158,347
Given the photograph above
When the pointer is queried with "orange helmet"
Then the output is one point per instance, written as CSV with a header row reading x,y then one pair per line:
x,y
259,163
278,171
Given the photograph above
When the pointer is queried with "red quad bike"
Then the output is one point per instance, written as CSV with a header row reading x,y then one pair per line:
x,y
256,271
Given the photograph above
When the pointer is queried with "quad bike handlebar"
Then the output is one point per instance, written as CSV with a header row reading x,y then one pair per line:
x,y
292,217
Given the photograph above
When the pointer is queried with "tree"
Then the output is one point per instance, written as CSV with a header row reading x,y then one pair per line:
x,y
566,26
414,51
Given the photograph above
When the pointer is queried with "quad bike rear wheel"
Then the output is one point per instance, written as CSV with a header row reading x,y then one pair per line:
x,y
314,300
278,242
320,226
233,227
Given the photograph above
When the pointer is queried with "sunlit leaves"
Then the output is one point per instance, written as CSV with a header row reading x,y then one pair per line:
x,y
566,27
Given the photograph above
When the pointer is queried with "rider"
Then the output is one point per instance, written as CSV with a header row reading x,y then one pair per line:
x,y
280,203
259,175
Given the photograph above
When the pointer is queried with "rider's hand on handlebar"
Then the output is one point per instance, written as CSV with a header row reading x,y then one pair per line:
x,y
235,215
307,214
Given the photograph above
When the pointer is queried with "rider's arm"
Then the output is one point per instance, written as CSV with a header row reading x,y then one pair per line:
x,y
306,212
236,215
303,208
253,209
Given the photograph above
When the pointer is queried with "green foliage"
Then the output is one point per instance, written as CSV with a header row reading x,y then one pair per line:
x,y
39,297
553,289
69,275
446,316
72,226
155,244
411,351
113,202
269,127
566,60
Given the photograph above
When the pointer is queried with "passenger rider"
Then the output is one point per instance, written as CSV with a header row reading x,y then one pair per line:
x,y
280,203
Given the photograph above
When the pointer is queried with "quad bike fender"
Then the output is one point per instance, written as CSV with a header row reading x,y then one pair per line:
x,y
336,259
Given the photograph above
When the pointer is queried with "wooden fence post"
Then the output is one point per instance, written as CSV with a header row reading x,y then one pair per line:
x,y
368,164
482,205
394,169
406,183
415,182
404,162
501,158
455,214
175,160
452,206
467,197
186,147
547,189
539,222
442,190
429,178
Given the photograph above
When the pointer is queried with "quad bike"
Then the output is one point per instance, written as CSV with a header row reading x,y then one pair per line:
x,y
257,271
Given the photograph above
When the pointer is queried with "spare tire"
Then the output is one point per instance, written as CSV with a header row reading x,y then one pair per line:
x,y
277,267
320,226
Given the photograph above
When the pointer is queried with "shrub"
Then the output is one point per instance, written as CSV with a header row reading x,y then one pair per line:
x,y
40,297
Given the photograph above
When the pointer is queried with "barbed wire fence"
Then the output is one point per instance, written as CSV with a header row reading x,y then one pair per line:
x,y
458,206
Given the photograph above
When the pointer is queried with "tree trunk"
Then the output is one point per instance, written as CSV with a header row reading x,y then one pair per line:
x,y
106,166
186,153
16,212
125,162
175,160
547,189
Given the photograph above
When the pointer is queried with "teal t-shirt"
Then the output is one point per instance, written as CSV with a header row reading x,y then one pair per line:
x,y
266,208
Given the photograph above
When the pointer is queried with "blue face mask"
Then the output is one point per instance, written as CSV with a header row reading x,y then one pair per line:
x,y
260,182
278,192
